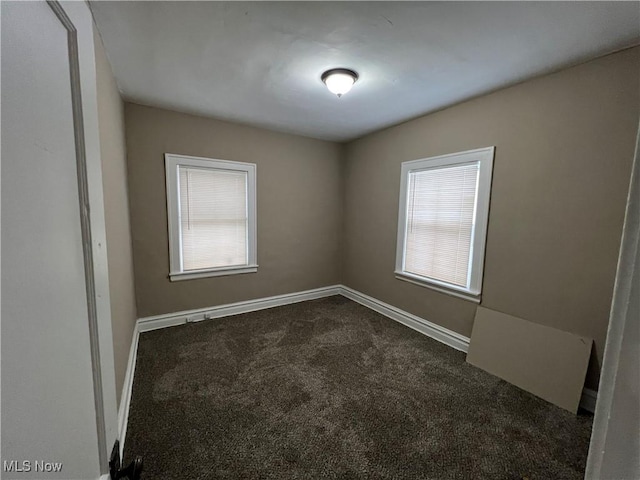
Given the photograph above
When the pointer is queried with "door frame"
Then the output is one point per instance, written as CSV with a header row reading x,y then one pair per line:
x,y
76,18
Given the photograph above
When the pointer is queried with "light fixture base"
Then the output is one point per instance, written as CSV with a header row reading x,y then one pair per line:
x,y
345,71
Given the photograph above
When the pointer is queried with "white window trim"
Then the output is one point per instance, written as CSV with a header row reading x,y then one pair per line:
x,y
484,156
172,162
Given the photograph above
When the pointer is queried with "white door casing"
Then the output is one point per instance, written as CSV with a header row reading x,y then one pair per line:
x,y
58,387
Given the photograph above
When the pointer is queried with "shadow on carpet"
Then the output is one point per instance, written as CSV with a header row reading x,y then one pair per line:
x,y
330,389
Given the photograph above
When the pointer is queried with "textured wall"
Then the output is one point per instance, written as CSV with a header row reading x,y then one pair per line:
x,y
564,147
299,208
116,212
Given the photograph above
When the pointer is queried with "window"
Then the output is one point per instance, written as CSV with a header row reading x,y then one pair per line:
x,y
211,206
442,222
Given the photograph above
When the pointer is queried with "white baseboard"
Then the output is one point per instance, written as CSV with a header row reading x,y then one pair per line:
x,y
168,320
127,389
443,335
430,329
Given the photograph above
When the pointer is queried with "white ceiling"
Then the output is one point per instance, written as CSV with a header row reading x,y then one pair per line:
x,y
259,63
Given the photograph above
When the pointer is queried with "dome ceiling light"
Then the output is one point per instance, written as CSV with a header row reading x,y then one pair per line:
x,y
339,80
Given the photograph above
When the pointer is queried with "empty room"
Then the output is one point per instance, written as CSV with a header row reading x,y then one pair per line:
x,y
308,240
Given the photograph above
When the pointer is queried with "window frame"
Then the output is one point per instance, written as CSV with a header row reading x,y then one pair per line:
x,y
484,157
172,164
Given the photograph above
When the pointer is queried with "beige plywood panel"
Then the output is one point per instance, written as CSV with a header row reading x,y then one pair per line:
x,y
545,361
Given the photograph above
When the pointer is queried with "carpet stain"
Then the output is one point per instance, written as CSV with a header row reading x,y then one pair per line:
x,y
330,389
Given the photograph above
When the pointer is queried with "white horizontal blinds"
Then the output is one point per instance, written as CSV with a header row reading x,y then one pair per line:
x,y
440,221
213,217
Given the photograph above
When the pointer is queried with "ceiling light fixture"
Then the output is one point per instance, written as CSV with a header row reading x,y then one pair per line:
x,y
339,80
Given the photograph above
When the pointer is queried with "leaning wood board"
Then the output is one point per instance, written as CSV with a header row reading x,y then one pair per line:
x,y
547,362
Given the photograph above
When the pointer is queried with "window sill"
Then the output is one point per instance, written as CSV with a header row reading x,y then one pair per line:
x,y
424,283
213,272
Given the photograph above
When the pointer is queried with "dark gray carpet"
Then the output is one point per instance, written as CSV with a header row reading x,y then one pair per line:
x,y
331,389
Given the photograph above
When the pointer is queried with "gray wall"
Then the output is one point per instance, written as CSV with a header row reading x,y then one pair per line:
x,y
116,212
299,208
564,147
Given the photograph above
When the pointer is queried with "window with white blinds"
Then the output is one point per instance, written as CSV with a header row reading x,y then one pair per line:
x,y
211,206
444,205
